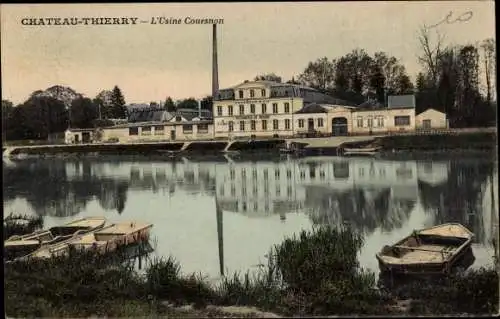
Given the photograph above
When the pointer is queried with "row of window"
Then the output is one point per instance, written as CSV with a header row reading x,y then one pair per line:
x,y
379,121
320,122
232,173
263,109
263,126
339,171
252,93
160,129
289,191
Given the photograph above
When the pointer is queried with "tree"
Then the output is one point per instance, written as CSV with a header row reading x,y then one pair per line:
x,y
396,80
207,103
7,109
38,117
377,83
154,105
169,104
319,74
468,82
83,113
104,104
431,53
118,108
404,85
190,103
488,47
268,77
420,82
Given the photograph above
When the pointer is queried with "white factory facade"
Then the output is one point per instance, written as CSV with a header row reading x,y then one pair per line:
x,y
271,109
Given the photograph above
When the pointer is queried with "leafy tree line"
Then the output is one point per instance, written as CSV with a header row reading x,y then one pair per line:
x,y
189,103
449,80
40,116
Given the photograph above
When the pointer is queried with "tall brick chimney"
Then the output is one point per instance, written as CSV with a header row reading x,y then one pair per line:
x,y
215,66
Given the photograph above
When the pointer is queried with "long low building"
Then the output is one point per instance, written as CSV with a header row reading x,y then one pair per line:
x,y
158,131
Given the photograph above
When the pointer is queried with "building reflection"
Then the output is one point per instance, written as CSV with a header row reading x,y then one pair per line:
x,y
462,197
367,193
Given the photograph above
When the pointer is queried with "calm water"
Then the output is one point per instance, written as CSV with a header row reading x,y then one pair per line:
x,y
261,201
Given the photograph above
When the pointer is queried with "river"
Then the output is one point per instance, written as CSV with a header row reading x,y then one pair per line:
x,y
262,201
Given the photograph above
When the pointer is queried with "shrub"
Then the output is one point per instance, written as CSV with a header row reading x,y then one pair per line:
x,y
164,280
20,225
324,254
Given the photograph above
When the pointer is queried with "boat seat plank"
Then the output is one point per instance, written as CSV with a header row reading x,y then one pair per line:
x,y
423,248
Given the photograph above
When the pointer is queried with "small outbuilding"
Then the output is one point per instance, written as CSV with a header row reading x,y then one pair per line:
x,y
431,119
79,136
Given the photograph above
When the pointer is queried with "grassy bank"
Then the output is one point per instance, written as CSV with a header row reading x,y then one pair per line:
x,y
314,273
465,141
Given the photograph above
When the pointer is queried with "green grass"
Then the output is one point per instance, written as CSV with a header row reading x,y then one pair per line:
x,y
313,273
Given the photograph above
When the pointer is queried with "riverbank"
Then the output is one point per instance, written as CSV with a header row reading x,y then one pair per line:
x,y
86,284
467,140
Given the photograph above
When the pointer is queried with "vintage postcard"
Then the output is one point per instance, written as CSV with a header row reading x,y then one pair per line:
x,y
250,159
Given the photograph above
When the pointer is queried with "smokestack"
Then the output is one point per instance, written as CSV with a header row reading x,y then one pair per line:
x,y
199,109
215,66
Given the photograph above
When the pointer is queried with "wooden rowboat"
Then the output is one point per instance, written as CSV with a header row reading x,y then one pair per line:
x,y
365,151
16,246
104,240
428,251
362,150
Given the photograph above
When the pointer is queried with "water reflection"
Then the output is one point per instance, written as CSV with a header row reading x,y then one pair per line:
x,y
256,203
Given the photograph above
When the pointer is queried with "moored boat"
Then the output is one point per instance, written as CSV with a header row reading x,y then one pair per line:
x,y
17,246
365,151
104,240
362,150
433,250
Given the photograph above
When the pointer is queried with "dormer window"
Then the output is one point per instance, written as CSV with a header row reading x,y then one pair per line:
x,y
240,93
178,118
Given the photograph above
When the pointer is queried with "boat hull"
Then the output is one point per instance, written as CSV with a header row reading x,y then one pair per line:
x,y
20,246
430,251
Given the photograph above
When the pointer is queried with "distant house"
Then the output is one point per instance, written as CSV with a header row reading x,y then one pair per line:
x,y
431,119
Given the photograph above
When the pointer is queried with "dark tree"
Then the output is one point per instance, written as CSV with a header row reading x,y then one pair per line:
x,y
377,83
190,103
118,108
169,104
83,113
207,103
7,109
